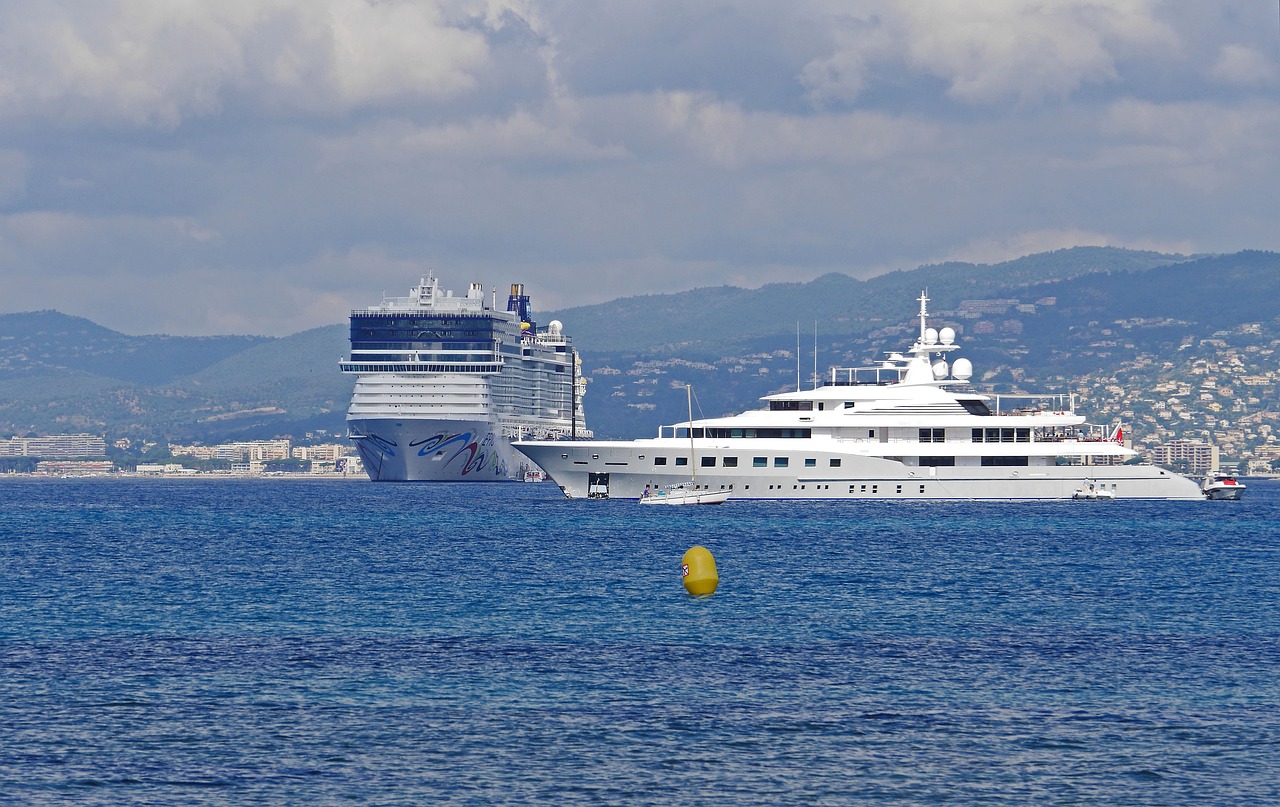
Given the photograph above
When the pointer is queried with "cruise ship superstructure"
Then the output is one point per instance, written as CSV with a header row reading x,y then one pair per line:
x,y
445,383
910,427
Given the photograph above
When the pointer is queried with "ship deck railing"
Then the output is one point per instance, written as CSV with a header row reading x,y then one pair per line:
x,y
419,367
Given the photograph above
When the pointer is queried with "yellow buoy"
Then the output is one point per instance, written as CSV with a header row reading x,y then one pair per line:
x,y
699,570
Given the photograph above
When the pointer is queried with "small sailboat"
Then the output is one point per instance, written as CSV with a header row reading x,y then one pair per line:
x,y
685,492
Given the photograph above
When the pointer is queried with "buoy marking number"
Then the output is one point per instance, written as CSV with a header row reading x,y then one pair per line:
x,y
684,567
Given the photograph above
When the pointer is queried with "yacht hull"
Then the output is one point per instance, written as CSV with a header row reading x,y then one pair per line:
x,y
623,469
1224,492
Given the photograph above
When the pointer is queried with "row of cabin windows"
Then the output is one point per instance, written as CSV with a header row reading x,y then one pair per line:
x,y
756,462
980,435
806,406
987,462
748,433
783,462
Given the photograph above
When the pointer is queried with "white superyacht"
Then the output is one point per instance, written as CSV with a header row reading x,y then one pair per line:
x,y
909,428
444,384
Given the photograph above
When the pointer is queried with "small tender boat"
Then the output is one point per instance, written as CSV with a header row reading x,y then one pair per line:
x,y
683,494
1092,491
1222,485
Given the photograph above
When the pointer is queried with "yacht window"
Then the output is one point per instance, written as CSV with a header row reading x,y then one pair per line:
x,y
708,462
682,460
780,462
933,435
730,462
977,435
937,462
1022,436
1002,462
808,463
871,432
848,404
976,407
791,406
759,462
659,460
835,463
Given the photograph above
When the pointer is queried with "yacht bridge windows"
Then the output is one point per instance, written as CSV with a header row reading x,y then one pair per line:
x,y
725,433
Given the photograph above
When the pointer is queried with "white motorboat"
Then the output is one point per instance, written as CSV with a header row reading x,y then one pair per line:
x,y
1222,485
911,427
1092,491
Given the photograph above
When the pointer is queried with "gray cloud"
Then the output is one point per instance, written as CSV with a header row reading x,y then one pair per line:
x,y
264,165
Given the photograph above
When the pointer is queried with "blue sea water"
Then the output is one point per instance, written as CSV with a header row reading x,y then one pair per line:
x,y
326,642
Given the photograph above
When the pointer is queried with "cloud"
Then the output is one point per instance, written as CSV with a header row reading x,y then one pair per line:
x,y
284,160
159,62
988,51
1240,64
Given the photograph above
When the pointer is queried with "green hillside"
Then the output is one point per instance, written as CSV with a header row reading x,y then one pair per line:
x,y
839,304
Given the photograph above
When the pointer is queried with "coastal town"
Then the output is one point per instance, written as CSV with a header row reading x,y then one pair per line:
x,y
87,455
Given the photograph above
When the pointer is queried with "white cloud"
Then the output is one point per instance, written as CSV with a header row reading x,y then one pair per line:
x,y
726,134
989,50
1207,146
158,62
284,160
1240,64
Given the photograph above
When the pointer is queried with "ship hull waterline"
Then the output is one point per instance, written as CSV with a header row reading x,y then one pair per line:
x,y
430,450
619,471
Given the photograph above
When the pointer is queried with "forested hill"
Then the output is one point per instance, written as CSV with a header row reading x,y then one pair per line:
x,y
839,304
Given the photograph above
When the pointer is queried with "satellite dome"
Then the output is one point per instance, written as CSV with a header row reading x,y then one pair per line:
x,y
940,370
930,336
947,335
554,327
963,369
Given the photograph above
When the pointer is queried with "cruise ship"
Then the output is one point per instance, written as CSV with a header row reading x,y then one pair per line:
x,y
445,383
910,427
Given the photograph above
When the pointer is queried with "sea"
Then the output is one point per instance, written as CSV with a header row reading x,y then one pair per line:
x,y
317,642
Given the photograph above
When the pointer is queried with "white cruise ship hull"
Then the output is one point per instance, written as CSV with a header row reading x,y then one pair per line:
x,y
621,470
426,450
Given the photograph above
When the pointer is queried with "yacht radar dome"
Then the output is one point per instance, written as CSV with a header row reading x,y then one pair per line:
x,y
947,335
930,336
940,370
962,369
554,327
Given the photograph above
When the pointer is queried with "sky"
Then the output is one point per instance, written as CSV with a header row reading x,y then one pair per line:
x,y
263,166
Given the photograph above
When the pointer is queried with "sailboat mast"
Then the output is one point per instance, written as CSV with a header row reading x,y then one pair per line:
x,y
693,457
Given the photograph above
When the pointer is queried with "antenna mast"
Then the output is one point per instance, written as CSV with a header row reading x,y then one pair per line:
x,y
797,355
